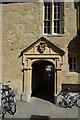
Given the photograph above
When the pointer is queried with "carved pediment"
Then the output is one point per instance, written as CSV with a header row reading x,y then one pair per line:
x,y
42,46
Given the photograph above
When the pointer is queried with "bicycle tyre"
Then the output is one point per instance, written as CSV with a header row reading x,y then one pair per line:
x,y
60,101
78,103
3,102
12,108
2,115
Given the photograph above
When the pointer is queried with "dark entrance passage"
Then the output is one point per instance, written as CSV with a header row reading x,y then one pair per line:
x,y
43,80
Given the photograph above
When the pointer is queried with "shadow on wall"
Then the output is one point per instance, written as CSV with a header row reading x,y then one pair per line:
x,y
74,54
74,62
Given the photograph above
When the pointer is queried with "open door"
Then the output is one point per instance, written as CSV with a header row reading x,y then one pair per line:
x,y
43,80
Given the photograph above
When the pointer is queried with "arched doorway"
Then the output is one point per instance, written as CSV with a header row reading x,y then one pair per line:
x,y
43,80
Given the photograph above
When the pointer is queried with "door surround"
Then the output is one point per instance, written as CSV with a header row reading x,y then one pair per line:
x,y
27,75
42,49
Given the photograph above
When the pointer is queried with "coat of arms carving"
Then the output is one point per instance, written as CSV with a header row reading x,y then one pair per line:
x,y
41,46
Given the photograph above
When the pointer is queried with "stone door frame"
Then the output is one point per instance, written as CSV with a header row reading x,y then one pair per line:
x,y
27,72
41,49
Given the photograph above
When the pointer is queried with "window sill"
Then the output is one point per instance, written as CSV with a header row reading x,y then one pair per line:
x,y
55,35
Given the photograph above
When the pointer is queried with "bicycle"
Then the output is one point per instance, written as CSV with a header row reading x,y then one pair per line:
x,y
64,99
8,102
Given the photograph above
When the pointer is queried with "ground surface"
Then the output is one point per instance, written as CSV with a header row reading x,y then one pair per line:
x,y
38,106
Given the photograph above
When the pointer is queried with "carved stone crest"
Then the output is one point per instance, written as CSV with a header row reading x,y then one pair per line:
x,y
41,47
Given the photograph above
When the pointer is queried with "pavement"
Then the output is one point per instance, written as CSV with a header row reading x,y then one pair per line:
x,y
38,106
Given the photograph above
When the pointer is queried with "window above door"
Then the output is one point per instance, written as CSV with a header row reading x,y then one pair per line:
x,y
53,18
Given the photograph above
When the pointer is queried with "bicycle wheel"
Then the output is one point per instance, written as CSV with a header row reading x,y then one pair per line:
x,y
12,107
78,102
3,104
2,114
61,101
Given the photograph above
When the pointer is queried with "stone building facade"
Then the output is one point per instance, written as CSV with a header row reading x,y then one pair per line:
x,y
40,52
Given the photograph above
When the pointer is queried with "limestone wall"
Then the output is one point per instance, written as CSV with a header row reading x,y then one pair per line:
x,y
0,43
22,24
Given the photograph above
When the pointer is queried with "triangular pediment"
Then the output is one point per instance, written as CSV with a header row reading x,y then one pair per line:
x,y
42,46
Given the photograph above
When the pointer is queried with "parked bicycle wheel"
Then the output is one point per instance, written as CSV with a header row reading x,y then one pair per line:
x,y
3,106
2,114
9,107
61,101
8,103
12,107
78,102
